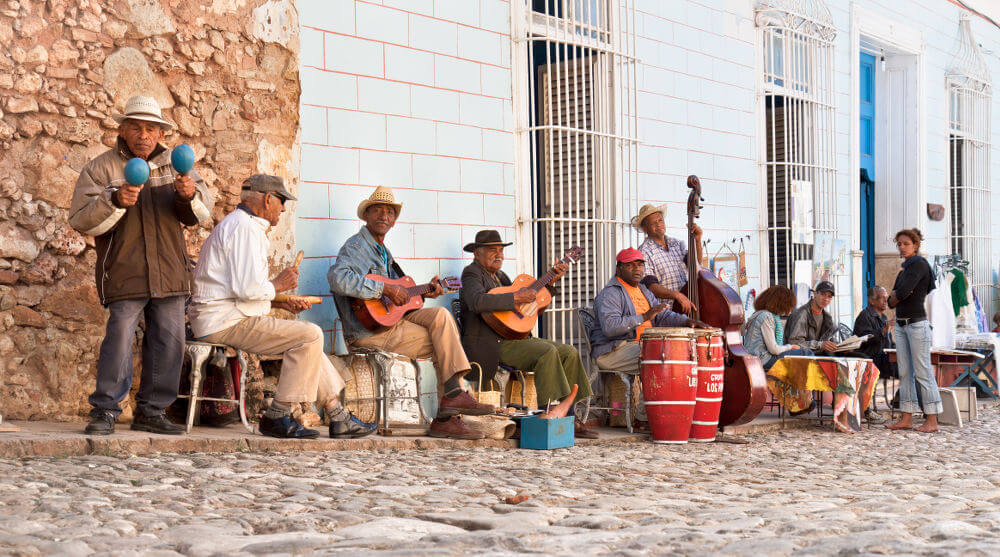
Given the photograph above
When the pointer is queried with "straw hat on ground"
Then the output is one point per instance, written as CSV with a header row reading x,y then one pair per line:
x,y
645,211
143,108
381,196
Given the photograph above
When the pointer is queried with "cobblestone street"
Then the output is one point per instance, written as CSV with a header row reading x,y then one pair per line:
x,y
810,491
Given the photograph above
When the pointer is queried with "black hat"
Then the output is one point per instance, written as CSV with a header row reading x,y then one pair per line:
x,y
486,238
265,183
825,286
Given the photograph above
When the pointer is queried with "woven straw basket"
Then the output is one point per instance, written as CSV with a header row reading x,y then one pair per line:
x,y
490,397
361,384
616,393
492,426
514,391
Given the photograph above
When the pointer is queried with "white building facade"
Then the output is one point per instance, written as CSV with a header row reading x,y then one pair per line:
x,y
552,121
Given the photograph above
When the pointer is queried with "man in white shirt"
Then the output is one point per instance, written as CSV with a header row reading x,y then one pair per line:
x,y
232,297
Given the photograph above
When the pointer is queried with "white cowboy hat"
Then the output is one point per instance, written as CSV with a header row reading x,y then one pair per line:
x,y
143,108
381,196
645,211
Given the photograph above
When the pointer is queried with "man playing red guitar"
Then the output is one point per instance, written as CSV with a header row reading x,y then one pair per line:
x,y
556,366
427,332
666,257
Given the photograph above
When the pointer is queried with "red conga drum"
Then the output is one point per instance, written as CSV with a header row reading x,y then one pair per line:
x,y
669,367
711,370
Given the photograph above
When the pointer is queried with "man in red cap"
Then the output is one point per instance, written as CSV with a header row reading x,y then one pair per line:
x,y
625,308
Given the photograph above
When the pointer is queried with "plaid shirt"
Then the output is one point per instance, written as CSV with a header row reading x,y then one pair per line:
x,y
669,264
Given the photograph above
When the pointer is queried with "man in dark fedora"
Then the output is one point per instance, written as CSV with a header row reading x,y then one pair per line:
x,y
557,367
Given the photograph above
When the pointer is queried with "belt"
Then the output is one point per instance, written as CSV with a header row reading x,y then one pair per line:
x,y
904,321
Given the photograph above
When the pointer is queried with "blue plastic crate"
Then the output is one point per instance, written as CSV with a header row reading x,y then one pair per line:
x,y
537,433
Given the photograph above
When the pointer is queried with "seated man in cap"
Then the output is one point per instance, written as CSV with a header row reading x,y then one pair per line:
x,y
429,331
557,367
232,297
810,326
142,266
625,308
666,257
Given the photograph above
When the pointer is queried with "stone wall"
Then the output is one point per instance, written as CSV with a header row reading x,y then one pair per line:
x,y
225,71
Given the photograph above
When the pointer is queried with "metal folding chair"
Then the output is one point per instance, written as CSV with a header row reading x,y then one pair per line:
x,y
587,321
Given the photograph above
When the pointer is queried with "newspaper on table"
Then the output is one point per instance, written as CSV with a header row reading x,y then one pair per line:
x,y
852,342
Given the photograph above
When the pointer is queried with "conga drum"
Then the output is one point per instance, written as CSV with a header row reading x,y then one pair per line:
x,y
711,370
669,369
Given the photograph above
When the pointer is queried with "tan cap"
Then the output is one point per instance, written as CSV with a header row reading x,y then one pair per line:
x,y
382,196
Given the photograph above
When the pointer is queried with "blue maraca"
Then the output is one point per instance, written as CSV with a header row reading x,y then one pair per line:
x,y
136,171
182,158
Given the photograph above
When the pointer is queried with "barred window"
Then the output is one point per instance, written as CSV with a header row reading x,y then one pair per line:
x,y
574,81
797,151
969,99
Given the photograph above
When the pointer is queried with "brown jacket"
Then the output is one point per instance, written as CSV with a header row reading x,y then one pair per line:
x,y
140,249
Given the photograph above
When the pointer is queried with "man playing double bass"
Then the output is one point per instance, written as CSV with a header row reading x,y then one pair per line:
x,y
556,366
666,257
426,332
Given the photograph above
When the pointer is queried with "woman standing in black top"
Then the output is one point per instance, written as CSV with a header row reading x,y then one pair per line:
x,y
913,335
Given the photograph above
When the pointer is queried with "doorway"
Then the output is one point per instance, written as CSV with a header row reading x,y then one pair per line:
x,y
866,142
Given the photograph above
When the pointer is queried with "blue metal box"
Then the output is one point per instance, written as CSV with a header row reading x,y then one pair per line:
x,y
537,433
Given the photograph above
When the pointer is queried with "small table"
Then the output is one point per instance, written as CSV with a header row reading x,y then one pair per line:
x,y
948,364
852,380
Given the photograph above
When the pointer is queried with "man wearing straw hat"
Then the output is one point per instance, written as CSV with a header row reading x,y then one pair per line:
x,y
430,331
142,265
556,366
233,296
666,257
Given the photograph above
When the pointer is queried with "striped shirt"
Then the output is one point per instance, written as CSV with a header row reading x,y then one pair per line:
x,y
668,264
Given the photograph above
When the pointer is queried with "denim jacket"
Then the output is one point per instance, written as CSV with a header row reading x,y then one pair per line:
x,y
617,320
358,257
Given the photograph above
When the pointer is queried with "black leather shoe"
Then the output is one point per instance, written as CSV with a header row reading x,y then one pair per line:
x,y
285,427
156,424
102,423
351,428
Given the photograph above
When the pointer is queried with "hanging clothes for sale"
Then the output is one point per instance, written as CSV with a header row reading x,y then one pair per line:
x,y
959,291
941,314
982,320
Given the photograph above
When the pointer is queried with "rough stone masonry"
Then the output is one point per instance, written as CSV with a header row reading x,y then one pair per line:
x,y
225,71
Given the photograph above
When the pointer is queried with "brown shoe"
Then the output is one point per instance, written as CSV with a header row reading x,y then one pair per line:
x,y
580,430
453,428
463,403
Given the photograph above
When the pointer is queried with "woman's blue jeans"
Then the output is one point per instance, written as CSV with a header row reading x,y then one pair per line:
x,y
913,354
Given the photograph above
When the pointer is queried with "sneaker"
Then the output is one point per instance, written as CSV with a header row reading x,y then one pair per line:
x,y
874,417
285,427
453,428
158,423
102,422
463,403
351,428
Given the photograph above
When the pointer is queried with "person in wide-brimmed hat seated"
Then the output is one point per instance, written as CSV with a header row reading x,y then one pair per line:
x,y
557,366
427,332
666,258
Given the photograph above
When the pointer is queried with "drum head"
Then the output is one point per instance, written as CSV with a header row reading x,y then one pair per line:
x,y
708,332
668,332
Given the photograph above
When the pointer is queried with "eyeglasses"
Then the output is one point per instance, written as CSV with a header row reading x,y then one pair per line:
x,y
280,199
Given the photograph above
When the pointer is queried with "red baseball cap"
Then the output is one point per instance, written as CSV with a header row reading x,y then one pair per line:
x,y
630,254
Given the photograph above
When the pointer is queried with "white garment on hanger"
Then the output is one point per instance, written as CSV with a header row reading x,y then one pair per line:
x,y
967,320
941,314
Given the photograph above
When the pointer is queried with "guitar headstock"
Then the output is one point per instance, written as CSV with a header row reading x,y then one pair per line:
x,y
451,284
574,254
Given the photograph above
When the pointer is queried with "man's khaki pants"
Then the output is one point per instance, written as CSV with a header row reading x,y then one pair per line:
x,y
307,374
427,332
625,357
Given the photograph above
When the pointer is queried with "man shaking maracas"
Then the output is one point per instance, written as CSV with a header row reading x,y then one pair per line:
x,y
142,266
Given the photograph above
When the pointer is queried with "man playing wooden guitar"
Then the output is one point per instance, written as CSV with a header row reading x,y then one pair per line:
x,y
427,332
557,366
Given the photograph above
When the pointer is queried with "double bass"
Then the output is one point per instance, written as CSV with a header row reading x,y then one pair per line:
x,y
744,389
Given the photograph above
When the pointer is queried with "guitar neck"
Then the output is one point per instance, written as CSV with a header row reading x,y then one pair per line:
x,y
419,290
539,284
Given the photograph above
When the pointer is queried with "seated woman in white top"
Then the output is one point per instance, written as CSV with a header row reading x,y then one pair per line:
x,y
763,332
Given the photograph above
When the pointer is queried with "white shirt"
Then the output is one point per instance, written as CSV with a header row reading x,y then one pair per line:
x,y
231,280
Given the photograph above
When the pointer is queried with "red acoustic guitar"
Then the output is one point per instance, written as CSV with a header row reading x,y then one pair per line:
x,y
517,324
381,312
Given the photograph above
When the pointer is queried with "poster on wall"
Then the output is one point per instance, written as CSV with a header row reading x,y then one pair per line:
x,y
822,261
803,280
726,268
801,205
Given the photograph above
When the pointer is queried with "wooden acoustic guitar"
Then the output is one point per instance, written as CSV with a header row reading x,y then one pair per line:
x,y
378,313
517,324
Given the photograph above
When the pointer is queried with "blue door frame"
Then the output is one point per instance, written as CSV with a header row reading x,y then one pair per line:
x,y
867,170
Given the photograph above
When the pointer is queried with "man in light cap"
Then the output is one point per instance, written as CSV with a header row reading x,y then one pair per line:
x,y
427,332
625,308
232,297
666,257
142,268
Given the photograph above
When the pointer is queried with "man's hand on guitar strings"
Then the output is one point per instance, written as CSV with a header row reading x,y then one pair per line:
x,y
524,296
396,294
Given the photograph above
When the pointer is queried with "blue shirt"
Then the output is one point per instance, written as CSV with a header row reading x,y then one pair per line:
x,y
360,255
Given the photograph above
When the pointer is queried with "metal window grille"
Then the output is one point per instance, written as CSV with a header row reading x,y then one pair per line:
x,y
574,95
969,98
796,91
